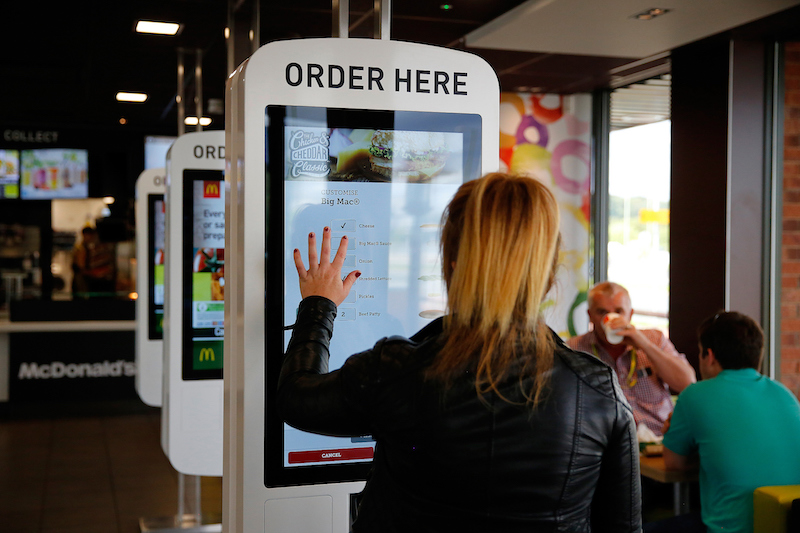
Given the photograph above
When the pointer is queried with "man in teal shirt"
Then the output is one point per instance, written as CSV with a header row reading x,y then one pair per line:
x,y
742,427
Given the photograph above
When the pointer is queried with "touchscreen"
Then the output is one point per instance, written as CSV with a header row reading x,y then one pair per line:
x,y
156,214
382,178
204,273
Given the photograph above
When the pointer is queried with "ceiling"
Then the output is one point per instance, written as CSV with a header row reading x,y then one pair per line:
x,y
610,29
63,64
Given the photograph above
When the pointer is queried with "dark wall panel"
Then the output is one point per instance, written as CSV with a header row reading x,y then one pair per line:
x,y
699,188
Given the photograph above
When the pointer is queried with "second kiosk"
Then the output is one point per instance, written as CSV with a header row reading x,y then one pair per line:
x,y
371,138
194,281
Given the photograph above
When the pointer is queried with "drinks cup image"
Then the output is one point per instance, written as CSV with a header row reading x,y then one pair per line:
x,y
40,180
611,335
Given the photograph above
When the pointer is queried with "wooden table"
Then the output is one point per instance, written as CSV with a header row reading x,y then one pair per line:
x,y
653,467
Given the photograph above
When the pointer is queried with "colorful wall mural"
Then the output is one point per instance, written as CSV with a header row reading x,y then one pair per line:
x,y
547,137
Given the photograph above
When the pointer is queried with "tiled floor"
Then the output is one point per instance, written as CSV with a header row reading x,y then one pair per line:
x,y
89,475
102,474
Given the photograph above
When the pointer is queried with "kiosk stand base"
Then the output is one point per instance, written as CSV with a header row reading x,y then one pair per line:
x,y
183,521
186,524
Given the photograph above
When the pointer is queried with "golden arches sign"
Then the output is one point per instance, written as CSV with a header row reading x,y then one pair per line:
x,y
207,354
211,190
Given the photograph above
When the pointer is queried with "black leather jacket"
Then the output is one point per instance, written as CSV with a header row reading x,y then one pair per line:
x,y
445,461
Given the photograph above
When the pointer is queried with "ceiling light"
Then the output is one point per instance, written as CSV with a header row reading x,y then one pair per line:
x,y
651,13
160,28
131,97
192,121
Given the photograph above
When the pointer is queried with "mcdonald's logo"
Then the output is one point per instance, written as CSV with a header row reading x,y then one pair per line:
x,y
207,354
210,189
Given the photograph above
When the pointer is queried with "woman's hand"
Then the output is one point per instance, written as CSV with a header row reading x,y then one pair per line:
x,y
324,278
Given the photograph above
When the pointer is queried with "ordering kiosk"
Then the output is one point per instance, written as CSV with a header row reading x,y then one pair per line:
x,y
150,213
194,279
371,138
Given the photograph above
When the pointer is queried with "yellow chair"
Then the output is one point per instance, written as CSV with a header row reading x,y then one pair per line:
x,y
771,507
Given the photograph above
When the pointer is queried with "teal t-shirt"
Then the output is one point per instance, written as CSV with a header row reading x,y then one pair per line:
x,y
746,429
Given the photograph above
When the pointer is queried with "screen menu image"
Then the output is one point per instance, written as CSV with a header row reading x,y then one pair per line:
x,y
51,173
9,174
204,273
383,179
156,218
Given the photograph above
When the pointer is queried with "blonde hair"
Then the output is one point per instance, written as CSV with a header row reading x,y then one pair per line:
x,y
499,251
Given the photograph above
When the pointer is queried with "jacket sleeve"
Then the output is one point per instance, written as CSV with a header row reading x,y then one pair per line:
x,y
617,501
308,396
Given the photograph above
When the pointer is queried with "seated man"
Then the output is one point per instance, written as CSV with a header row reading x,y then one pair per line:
x,y
646,362
743,427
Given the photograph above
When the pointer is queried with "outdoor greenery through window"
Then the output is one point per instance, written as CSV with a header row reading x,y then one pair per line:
x,y
639,198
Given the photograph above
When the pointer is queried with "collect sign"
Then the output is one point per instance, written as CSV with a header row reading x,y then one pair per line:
x,y
37,136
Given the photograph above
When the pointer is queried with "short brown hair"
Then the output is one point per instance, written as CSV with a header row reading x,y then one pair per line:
x,y
736,340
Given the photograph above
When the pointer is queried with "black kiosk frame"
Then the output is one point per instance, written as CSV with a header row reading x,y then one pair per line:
x,y
278,118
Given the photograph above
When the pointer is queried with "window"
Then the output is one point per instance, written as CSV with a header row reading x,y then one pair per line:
x,y
639,198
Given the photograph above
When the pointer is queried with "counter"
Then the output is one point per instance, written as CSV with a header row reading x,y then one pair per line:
x,y
83,358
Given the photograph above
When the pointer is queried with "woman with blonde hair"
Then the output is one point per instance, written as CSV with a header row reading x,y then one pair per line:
x,y
484,420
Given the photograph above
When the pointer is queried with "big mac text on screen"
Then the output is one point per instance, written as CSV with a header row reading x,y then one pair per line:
x,y
375,79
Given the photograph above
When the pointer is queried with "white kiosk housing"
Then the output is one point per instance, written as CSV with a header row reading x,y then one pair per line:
x,y
150,212
192,418
307,125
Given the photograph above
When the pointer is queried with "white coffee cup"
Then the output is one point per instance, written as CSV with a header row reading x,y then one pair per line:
x,y
611,334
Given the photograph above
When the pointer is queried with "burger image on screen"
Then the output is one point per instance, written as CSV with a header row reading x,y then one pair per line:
x,y
412,156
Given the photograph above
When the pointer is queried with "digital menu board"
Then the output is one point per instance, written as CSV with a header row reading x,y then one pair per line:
x,y
155,240
155,150
383,178
9,174
204,273
50,173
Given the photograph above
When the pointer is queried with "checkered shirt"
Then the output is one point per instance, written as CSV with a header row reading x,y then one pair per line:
x,y
649,397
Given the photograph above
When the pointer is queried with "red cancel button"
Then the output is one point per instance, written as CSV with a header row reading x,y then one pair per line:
x,y
318,456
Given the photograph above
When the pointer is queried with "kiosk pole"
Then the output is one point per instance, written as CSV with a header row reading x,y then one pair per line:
x,y
198,84
341,19
189,518
190,515
179,97
383,19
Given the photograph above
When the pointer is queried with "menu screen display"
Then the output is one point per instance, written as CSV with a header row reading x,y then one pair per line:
x,y
204,273
51,173
383,178
9,174
155,240
155,150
